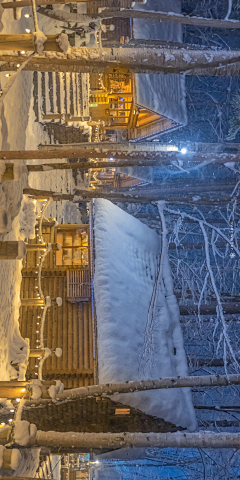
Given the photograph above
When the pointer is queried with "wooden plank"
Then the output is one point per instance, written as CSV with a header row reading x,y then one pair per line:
x,y
75,336
51,254
90,335
64,336
85,380
69,383
81,338
86,336
32,337
56,311
60,323
70,338
48,289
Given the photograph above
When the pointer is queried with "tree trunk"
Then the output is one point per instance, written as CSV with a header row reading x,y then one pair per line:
x,y
146,15
144,385
48,63
153,60
169,17
25,42
194,245
89,165
210,362
28,3
144,153
228,308
140,440
136,60
87,195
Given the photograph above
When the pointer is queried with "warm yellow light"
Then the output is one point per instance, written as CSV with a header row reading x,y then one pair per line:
x,y
23,390
26,15
3,424
27,30
17,399
22,52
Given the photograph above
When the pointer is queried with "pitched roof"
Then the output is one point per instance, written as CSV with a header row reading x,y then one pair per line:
x,y
162,94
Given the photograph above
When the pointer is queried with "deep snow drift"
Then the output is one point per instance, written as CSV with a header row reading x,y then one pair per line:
x,y
127,256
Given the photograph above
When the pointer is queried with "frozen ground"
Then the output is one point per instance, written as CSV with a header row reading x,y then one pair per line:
x,y
126,261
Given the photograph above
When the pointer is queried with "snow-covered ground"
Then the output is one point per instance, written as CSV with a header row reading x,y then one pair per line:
x,y
127,258
13,127
19,131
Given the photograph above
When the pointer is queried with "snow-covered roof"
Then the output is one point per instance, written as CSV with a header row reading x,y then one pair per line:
x,y
163,94
126,261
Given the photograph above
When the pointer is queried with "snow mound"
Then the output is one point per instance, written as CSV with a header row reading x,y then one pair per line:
x,y
27,217
126,266
36,391
19,354
62,41
55,389
39,40
24,432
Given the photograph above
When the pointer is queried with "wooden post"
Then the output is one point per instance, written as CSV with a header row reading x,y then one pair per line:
x,y
35,247
12,250
32,302
8,174
25,43
118,151
52,116
28,3
37,353
24,478
5,434
39,302
13,390
7,458
69,440
87,195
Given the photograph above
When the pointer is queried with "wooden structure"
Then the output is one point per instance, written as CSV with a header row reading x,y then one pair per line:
x,y
113,99
66,273
109,177
99,414
58,93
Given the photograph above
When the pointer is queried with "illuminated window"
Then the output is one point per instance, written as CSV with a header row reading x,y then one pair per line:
x,y
122,411
74,250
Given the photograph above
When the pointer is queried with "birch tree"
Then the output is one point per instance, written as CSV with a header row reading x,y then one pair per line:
x,y
68,440
136,60
143,14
